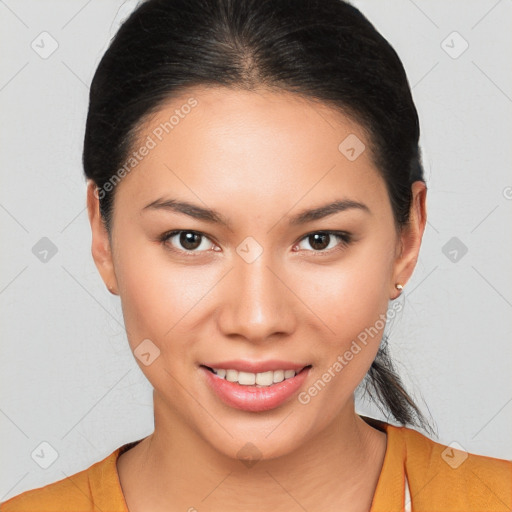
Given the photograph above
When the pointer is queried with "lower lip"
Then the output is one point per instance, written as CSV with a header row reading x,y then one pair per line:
x,y
253,398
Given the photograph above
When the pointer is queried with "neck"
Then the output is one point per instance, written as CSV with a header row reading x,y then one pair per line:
x,y
341,466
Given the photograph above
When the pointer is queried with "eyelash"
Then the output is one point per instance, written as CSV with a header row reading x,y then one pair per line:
x,y
345,240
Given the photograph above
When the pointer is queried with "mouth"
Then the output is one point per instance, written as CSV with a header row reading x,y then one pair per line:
x,y
255,391
260,379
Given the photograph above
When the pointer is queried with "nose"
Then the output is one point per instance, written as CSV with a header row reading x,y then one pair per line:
x,y
258,302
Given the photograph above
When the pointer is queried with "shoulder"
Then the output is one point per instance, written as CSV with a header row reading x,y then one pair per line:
x,y
449,475
77,492
70,493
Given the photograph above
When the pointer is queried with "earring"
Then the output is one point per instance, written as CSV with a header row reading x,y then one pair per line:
x,y
399,287
111,290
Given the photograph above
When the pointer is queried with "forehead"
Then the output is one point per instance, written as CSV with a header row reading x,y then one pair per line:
x,y
259,145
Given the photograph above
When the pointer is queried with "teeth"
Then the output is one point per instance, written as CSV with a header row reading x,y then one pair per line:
x,y
246,378
263,379
278,375
232,375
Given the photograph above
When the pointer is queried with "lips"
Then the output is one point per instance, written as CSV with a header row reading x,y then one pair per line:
x,y
255,398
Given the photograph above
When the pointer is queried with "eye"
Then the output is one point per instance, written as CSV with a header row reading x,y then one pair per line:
x,y
187,241
192,242
327,241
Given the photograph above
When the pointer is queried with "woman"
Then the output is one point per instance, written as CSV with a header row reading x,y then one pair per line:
x,y
256,199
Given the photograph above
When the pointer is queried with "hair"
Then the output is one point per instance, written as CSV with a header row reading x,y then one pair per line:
x,y
322,50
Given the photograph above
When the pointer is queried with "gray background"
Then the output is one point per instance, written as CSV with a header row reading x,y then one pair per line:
x,y
68,377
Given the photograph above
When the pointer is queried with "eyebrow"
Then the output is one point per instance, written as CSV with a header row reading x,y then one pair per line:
x,y
209,215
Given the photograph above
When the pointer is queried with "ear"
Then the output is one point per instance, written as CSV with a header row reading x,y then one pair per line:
x,y
410,238
101,248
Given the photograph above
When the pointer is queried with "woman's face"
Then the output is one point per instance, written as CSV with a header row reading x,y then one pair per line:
x,y
252,277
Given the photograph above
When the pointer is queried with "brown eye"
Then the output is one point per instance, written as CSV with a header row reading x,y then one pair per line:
x,y
189,241
319,241
324,241
186,241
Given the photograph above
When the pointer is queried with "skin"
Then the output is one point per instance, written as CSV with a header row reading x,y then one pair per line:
x,y
258,158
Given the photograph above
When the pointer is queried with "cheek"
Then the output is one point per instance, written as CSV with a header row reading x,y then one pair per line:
x,y
159,296
352,302
349,296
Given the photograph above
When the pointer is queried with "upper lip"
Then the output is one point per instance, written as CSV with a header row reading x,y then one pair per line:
x,y
257,366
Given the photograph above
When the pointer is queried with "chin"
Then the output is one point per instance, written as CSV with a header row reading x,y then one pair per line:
x,y
250,450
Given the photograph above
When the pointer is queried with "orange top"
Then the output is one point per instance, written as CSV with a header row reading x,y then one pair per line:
x,y
439,478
